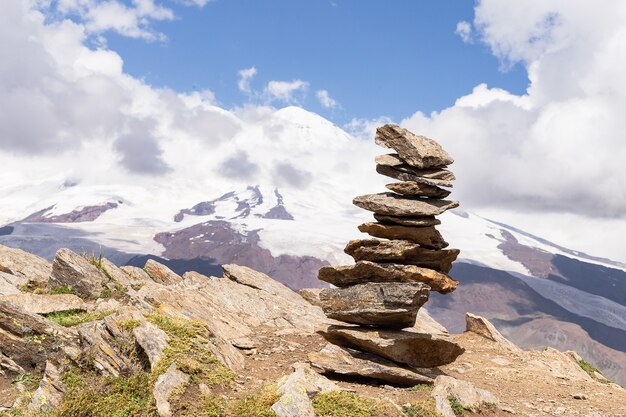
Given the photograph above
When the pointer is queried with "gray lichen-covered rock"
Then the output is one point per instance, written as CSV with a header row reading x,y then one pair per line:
x,y
416,189
152,340
407,221
77,273
464,393
381,304
418,151
296,392
366,271
396,205
51,390
394,172
394,161
164,386
401,252
336,360
419,350
428,237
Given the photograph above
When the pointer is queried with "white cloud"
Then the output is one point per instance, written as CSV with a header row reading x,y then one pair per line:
x,y
326,100
245,76
560,147
286,91
464,30
99,16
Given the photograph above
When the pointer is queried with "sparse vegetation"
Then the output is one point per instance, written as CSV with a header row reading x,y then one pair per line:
x,y
591,370
188,347
137,287
423,409
69,318
344,404
421,387
129,325
256,405
62,290
28,381
457,407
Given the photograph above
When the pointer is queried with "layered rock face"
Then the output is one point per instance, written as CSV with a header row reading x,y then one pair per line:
x,y
381,294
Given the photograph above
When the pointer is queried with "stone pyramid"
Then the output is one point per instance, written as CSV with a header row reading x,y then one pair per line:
x,y
380,295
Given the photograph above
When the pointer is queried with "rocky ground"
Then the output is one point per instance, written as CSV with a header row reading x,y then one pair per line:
x,y
82,337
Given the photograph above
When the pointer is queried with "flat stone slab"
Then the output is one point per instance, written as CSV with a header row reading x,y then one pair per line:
x,y
418,151
427,237
398,174
333,359
46,303
402,252
407,221
393,160
77,273
396,205
419,350
366,271
416,189
388,304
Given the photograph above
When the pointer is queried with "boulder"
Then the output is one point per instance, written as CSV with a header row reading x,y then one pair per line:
x,y
312,295
164,386
28,340
424,323
152,341
336,360
401,252
386,304
407,221
51,390
103,348
418,350
465,393
136,274
161,273
428,237
296,392
483,327
116,274
46,303
8,284
77,273
394,161
396,205
17,262
418,151
416,189
366,271
398,174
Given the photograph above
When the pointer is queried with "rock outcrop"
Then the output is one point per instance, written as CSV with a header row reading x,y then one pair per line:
x,y
391,279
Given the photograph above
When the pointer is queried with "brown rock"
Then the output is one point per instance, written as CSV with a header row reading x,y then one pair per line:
x,y
366,271
20,263
388,304
394,161
312,295
46,303
398,174
407,221
427,237
161,273
416,189
419,350
401,252
418,151
395,205
333,359
77,273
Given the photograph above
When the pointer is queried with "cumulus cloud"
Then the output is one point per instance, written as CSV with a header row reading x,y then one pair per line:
x,y
245,76
326,100
286,91
559,147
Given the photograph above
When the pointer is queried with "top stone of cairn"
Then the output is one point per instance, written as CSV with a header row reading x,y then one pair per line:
x,y
418,151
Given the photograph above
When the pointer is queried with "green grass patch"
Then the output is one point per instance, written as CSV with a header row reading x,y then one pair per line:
x,y
421,387
343,404
71,318
257,404
188,348
457,407
128,325
28,381
423,409
62,290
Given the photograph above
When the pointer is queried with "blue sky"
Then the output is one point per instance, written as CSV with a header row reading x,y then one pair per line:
x,y
375,58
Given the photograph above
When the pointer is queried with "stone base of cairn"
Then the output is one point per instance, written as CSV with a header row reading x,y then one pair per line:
x,y
380,295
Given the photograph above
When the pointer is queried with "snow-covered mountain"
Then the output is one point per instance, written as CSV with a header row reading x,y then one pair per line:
x,y
280,202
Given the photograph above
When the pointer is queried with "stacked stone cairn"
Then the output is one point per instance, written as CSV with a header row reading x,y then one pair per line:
x,y
380,295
